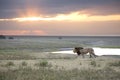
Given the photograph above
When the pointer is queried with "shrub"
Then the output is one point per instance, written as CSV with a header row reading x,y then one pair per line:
x,y
24,63
116,64
42,64
80,63
10,64
93,63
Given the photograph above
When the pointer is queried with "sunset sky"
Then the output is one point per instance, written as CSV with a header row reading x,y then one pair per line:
x,y
60,17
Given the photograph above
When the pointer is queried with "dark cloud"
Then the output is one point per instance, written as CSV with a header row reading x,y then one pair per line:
x,y
10,8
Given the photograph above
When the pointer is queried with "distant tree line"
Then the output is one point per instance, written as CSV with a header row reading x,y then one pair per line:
x,y
5,37
2,37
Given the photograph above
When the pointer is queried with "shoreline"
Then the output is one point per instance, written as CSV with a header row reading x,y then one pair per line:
x,y
98,51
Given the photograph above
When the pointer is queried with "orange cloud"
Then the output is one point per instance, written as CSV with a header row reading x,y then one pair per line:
x,y
13,32
38,32
22,32
75,16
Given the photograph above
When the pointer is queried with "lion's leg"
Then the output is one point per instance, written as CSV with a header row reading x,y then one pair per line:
x,y
90,55
94,54
83,55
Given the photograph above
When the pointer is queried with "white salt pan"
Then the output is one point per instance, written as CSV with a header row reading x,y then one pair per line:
x,y
98,51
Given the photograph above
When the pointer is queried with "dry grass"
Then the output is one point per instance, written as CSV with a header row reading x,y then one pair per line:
x,y
60,74
56,69
116,64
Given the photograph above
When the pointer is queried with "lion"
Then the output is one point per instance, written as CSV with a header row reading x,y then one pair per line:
x,y
82,51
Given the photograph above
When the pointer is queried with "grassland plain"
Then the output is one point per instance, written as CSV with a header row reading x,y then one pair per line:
x,y
105,68
23,48
31,60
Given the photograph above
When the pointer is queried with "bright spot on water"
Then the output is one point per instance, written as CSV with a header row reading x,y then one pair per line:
x,y
98,51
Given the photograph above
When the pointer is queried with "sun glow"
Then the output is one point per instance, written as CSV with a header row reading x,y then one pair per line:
x,y
75,16
60,17
28,19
